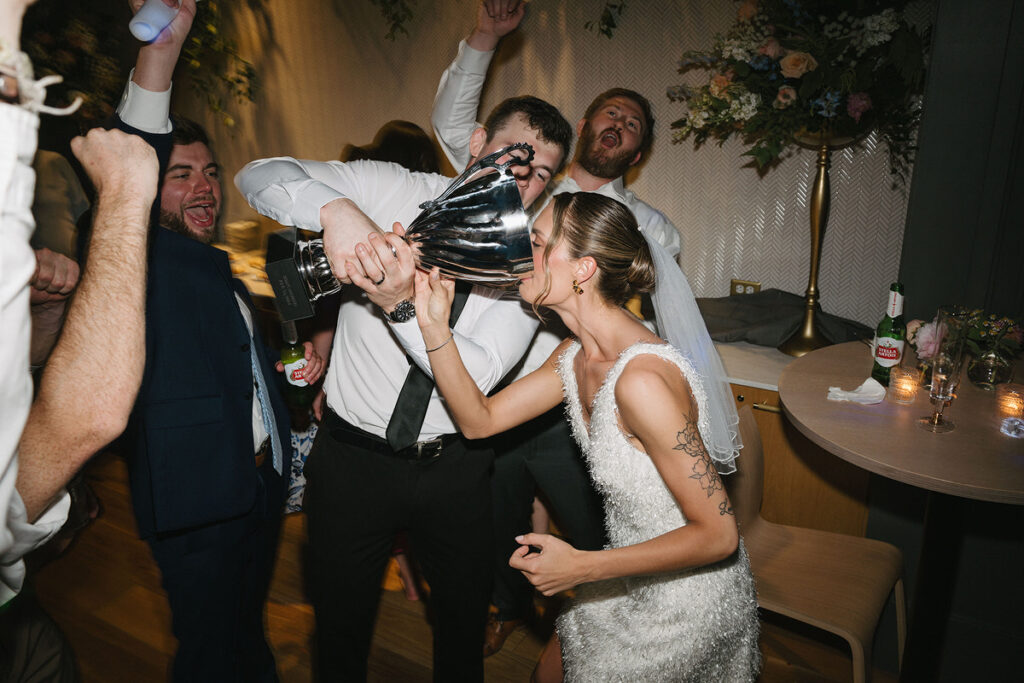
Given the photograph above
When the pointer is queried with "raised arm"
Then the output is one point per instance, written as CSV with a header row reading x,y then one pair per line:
x,y
322,197
657,408
93,375
147,97
476,414
453,117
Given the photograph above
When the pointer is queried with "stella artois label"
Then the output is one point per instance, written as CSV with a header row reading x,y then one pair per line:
x,y
888,351
293,372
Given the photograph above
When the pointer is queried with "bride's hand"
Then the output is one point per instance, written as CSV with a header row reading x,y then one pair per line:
x,y
434,297
555,567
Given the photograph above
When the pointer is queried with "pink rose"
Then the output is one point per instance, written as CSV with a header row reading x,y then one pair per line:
x,y
747,10
928,339
718,84
912,327
796,64
772,48
857,104
785,97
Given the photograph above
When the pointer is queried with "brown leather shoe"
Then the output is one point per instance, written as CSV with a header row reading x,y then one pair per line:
x,y
497,631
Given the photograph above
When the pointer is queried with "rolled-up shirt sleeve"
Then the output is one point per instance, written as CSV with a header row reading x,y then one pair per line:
x,y
491,343
22,537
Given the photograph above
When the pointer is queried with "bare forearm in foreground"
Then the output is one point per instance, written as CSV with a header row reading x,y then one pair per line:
x,y
93,376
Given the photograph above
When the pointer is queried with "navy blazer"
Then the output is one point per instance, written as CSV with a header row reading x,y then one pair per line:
x,y
193,457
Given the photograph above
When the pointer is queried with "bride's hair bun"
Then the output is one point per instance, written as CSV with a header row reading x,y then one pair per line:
x,y
604,229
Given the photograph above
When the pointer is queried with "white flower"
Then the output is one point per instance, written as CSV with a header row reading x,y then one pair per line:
x,y
698,119
735,49
745,106
877,29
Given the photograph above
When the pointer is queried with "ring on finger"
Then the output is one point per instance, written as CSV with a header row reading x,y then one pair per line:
x,y
382,276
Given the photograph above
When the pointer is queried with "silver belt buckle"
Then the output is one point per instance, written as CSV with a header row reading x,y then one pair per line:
x,y
435,444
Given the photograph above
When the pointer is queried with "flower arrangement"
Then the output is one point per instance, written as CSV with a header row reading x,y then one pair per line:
x,y
991,333
985,332
807,68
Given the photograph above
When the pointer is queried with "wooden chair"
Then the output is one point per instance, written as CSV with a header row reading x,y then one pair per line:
x,y
831,581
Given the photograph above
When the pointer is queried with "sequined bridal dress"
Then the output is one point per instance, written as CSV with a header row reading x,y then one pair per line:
x,y
691,625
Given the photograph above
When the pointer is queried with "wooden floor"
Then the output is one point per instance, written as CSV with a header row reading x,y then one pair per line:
x,y
105,594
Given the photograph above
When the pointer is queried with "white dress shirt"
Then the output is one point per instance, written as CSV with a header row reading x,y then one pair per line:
x,y
369,357
18,128
454,120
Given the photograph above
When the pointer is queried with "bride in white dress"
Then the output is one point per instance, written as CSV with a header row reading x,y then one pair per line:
x,y
671,598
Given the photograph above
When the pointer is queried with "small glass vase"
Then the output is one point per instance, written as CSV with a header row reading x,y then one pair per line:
x,y
924,369
989,369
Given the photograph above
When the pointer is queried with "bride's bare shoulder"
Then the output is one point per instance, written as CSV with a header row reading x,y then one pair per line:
x,y
649,378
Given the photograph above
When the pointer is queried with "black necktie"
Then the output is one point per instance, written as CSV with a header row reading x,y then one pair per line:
x,y
411,406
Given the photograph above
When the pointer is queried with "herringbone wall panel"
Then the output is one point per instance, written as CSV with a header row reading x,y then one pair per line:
x,y
330,78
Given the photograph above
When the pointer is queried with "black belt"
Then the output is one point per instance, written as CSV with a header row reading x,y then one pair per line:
x,y
421,450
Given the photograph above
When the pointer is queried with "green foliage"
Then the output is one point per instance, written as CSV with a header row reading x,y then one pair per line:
x,y
990,332
790,69
78,43
66,41
609,19
217,72
396,13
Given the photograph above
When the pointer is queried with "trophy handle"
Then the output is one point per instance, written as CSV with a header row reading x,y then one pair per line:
x,y
489,161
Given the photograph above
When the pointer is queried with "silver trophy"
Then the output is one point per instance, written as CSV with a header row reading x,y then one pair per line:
x,y
476,230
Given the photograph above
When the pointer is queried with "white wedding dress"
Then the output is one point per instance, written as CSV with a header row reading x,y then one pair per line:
x,y
692,625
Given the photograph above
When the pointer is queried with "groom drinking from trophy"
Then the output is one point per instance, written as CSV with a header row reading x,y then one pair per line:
x,y
387,456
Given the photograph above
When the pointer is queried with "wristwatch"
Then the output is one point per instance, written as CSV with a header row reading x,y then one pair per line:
x,y
404,310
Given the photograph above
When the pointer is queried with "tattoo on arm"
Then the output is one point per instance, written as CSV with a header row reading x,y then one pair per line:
x,y
688,441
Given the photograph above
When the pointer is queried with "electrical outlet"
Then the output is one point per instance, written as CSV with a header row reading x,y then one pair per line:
x,y
743,287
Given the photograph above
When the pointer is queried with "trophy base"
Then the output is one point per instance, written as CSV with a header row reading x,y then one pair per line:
x,y
290,292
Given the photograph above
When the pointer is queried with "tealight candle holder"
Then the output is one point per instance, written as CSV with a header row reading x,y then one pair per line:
x,y
1010,400
903,385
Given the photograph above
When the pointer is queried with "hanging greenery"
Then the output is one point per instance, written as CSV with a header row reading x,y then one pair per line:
x,y
609,19
217,73
395,13
65,40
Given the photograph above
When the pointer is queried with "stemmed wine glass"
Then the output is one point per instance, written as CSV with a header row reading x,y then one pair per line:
x,y
951,330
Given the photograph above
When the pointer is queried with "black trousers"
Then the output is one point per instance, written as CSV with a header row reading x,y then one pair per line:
x,y
539,454
356,500
217,578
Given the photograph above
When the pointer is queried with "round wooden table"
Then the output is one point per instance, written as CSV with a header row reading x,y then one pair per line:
x,y
975,460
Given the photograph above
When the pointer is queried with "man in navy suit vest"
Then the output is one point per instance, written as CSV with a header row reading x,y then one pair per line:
x,y
210,432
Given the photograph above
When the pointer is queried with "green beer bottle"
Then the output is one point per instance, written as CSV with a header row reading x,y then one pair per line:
x,y
890,336
293,356
298,395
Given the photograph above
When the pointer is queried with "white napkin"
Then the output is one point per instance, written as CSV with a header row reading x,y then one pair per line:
x,y
869,392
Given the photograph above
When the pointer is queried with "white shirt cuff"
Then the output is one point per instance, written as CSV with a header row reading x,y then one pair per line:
x,y
472,60
144,109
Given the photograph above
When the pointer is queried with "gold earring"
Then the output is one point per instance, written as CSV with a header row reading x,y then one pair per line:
x,y
576,287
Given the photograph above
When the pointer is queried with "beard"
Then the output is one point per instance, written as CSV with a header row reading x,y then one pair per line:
x,y
598,161
175,223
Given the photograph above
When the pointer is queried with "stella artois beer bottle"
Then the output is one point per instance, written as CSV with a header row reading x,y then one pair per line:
x,y
293,356
890,336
